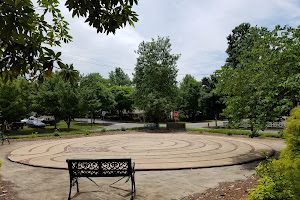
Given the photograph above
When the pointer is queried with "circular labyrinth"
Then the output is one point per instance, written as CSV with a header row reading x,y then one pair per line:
x,y
148,151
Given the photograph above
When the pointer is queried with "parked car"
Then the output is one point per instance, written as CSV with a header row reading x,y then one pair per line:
x,y
35,124
49,121
29,120
25,120
16,125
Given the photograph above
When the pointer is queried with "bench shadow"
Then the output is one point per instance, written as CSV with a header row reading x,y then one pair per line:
x,y
99,193
121,189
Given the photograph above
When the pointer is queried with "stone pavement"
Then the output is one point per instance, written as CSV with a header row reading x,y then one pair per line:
x,y
43,183
149,151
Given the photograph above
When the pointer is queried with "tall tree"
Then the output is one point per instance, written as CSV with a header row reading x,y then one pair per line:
x,y
58,98
124,98
155,78
26,37
119,78
46,101
189,94
15,100
211,102
68,100
94,95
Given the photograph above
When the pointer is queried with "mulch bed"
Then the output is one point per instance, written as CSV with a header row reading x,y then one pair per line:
x,y
237,190
6,191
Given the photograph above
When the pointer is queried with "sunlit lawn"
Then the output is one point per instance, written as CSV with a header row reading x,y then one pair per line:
x,y
75,126
187,122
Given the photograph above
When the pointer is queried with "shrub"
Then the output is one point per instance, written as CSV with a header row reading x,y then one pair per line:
x,y
103,130
292,133
183,117
254,133
34,135
123,128
280,179
280,133
56,133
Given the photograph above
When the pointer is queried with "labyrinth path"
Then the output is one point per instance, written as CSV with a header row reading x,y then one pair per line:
x,y
148,151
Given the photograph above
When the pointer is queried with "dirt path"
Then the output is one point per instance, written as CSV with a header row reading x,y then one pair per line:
x,y
41,183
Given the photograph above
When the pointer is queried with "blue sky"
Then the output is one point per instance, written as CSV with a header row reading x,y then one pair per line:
x,y
197,30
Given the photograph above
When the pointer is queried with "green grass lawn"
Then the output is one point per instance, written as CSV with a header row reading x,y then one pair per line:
x,y
75,126
236,132
188,122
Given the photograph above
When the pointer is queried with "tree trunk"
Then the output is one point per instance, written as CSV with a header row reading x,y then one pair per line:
x,y
91,119
69,122
55,127
3,126
216,119
120,114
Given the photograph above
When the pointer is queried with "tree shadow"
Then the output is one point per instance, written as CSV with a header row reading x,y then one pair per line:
x,y
251,160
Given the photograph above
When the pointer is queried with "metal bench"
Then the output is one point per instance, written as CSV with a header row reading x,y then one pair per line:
x,y
101,168
152,126
3,138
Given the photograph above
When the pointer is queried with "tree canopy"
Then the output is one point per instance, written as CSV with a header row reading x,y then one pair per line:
x,y
123,96
15,100
265,83
105,16
211,102
155,78
58,98
26,37
119,78
94,96
237,43
189,94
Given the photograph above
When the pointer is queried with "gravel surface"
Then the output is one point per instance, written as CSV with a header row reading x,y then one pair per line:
x,y
237,190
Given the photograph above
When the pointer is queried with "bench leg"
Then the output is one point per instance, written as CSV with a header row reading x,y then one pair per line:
x,y
4,140
77,184
73,181
132,186
70,190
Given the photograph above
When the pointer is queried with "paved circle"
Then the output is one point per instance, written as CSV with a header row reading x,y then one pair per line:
x,y
148,151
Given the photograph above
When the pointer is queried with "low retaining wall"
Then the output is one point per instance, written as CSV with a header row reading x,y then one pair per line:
x,y
175,126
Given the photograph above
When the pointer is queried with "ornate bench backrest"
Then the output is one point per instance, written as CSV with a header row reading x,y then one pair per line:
x,y
99,167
